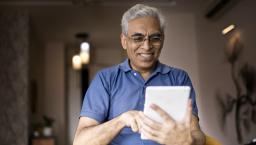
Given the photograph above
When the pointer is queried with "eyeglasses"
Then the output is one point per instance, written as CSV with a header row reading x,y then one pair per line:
x,y
139,39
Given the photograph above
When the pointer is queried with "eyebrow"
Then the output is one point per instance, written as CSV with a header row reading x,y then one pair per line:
x,y
137,34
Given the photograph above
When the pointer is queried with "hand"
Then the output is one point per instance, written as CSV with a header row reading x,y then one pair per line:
x,y
131,119
169,132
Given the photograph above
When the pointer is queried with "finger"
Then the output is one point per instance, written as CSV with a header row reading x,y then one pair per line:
x,y
164,115
150,129
188,113
149,122
150,136
134,126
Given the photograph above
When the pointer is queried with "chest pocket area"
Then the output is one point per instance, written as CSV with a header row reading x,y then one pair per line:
x,y
123,102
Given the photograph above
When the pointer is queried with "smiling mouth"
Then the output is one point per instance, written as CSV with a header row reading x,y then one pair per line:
x,y
146,56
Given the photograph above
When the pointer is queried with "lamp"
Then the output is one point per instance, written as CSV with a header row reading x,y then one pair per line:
x,y
83,57
76,62
228,29
85,52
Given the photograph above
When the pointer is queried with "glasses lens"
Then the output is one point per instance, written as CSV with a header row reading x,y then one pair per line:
x,y
154,39
138,39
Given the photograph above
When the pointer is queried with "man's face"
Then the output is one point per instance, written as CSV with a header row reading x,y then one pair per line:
x,y
143,43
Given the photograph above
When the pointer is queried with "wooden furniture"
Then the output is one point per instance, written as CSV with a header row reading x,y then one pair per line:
x,y
211,141
43,141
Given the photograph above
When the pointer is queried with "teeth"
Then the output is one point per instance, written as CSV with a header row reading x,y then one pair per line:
x,y
146,55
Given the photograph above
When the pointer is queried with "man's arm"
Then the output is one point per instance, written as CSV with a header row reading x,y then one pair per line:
x,y
90,132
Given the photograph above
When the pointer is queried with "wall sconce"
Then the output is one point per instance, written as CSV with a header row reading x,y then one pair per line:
x,y
228,29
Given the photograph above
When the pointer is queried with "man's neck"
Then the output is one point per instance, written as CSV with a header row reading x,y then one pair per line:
x,y
146,72
145,75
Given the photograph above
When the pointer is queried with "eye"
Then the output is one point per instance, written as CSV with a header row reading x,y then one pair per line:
x,y
155,38
138,38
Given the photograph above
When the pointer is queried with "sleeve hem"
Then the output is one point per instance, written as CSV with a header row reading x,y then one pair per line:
x,y
96,116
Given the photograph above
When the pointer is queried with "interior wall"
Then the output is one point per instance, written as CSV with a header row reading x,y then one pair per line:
x,y
36,78
214,70
54,98
180,47
14,105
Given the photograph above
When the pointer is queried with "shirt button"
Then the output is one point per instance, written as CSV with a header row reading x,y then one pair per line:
x,y
135,74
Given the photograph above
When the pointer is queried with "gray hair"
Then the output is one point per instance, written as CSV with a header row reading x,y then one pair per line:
x,y
138,11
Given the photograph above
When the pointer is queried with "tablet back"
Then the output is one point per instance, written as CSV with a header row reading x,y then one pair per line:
x,y
172,99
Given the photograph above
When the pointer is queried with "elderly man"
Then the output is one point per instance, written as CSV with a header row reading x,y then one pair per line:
x,y
112,108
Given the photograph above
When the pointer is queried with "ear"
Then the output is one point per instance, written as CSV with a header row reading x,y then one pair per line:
x,y
123,41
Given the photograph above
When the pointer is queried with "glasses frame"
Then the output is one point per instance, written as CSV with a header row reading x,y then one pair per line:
x,y
146,37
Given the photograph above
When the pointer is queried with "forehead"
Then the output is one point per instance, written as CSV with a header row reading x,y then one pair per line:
x,y
144,25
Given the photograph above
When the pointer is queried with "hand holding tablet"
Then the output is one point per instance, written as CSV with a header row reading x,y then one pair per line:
x,y
172,99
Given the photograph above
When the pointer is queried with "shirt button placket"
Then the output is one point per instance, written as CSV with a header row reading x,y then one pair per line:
x,y
142,99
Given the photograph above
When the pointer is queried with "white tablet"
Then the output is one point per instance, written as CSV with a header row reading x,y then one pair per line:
x,y
172,99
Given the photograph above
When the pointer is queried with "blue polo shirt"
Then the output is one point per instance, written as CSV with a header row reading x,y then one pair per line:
x,y
118,89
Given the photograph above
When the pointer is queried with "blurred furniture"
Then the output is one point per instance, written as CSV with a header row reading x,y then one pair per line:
x,y
211,141
43,141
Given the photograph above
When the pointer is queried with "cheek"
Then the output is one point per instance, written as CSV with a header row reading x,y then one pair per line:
x,y
158,51
131,50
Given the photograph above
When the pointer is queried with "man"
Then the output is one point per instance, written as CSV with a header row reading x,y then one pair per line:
x,y
112,108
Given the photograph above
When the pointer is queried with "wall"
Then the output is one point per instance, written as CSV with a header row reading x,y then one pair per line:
x,y
214,71
14,105
55,99
180,47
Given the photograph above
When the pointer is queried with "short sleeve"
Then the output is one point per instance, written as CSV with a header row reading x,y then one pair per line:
x,y
96,100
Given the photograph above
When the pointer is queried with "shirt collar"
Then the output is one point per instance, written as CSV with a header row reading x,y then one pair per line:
x,y
160,68
125,66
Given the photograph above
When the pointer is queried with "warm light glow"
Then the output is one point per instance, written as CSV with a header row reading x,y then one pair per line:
x,y
228,29
76,62
85,47
85,52
85,57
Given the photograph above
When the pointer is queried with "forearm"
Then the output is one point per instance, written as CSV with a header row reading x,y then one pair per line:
x,y
198,137
101,134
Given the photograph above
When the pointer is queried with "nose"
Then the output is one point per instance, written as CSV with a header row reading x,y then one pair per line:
x,y
146,44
